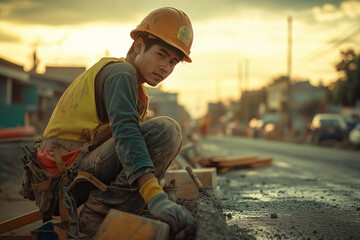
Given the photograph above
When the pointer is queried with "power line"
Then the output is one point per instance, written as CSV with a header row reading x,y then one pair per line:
x,y
316,52
317,55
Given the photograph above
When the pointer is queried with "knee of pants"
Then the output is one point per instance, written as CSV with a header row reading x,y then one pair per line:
x,y
163,138
163,131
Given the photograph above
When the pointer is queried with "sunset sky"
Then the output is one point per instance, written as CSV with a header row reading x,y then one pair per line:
x,y
226,33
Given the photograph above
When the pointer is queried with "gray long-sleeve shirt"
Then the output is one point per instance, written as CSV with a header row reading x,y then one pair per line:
x,y
116,99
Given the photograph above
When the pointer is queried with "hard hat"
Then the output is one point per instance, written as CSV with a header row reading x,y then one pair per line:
x,y
170,25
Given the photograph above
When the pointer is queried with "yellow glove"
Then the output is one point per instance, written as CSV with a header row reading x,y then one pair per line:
x,y
150,189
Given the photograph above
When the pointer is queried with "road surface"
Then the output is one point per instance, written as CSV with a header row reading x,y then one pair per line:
x,y
308,193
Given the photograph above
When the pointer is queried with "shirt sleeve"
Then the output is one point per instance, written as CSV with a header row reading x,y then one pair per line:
x,y
120,102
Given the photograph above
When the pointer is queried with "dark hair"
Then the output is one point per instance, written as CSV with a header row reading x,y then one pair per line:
x,y
150,41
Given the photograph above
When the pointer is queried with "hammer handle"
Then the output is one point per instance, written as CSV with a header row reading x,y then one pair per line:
x,y
194,177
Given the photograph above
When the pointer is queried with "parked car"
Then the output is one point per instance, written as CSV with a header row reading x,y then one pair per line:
x,y
354,135
237,129
325,126
265,125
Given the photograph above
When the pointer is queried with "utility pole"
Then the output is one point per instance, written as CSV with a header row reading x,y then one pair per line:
x,y
218,90
243,84
240,77
289,84
246,89
246,74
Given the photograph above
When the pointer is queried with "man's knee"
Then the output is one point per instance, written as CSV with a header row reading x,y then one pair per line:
x,y
173,131
163,138
163,131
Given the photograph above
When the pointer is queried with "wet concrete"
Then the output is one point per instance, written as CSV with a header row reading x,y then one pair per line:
x,y
208,213
298,197
271,212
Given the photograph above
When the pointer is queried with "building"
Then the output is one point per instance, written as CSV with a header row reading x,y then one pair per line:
x,y
50,87
302,93
18,94
28,98
166,104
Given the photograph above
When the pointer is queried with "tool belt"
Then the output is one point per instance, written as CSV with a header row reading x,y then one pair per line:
x,y
52,192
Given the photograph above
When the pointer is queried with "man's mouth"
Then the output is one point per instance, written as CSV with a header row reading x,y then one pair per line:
x,y
159,75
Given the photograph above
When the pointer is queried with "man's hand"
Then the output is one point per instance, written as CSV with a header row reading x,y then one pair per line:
x,y
180,220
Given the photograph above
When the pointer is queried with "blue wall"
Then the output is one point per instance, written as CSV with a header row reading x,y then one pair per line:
x,y
12,115
3,88
30,95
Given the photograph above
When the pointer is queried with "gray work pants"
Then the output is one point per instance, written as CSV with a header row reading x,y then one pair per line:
x,y
163,139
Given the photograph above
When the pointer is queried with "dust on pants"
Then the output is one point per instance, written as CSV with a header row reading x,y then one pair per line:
x,y
163,139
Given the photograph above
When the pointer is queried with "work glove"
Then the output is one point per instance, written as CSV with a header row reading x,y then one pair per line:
x,y
181,221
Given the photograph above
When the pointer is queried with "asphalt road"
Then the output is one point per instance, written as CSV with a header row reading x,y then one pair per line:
x,y
309,192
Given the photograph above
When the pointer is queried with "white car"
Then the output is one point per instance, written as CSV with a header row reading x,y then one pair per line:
x,y
354,135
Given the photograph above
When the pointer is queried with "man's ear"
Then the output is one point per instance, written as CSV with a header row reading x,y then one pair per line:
x,y
139,45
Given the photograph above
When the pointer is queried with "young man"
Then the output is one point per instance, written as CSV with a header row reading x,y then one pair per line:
x,y
104,109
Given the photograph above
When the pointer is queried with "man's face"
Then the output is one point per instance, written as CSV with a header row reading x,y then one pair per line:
x,y
156,64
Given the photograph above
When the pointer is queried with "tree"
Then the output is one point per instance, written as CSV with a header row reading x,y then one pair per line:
x,y
347,88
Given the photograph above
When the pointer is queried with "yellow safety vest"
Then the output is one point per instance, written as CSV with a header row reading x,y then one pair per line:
x,y
75,115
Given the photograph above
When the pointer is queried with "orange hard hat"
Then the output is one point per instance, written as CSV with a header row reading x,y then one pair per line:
x,y
170,25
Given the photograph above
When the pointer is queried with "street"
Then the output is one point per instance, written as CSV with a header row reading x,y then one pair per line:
x,y
309,192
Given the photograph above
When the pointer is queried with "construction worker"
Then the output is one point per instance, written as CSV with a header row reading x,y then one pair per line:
x,y
100,117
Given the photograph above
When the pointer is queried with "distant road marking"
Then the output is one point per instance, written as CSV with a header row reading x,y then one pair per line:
x,y
282,164
208,146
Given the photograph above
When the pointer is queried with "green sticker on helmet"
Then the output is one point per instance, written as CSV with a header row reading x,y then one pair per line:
x,y
184,35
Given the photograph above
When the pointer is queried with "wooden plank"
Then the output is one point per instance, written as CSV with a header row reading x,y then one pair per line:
x,y
20,221
204,161
123,225
264,162
230,159
234,161
225,169
186,186
16,237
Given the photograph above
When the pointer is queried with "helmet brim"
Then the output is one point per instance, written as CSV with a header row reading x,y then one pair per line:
x,y
186,58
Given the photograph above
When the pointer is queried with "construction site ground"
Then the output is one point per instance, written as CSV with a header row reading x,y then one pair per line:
x,y
307,193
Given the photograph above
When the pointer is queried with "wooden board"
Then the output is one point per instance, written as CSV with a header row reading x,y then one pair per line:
x,y
264,162
233,161
20,221
186,187
123,225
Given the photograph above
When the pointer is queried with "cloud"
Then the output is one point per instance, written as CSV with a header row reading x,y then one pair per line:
x,y
351,8
330,12
9,38
65,12
70,12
